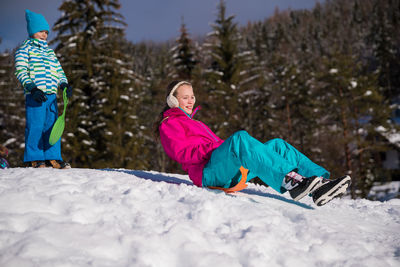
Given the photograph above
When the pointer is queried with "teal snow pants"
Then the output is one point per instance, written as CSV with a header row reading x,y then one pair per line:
x,y
270,162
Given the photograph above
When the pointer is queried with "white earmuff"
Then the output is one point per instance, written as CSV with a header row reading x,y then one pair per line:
x,y
172,101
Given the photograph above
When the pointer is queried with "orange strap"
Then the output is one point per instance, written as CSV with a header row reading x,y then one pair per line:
x,y
240,186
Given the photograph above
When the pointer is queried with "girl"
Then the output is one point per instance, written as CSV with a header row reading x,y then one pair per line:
x,y
213,162
40,73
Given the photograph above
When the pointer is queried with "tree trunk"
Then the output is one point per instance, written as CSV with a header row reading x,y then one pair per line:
x,y
347,152
289,123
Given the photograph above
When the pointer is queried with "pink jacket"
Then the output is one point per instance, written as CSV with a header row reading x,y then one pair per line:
x,y
188,141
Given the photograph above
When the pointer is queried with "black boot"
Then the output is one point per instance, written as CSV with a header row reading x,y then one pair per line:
x,y
305,187
331,189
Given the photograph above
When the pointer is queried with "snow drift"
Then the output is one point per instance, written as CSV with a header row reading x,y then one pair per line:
x,y
84,217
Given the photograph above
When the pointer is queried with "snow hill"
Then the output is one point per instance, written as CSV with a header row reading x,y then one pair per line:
x,y
116,217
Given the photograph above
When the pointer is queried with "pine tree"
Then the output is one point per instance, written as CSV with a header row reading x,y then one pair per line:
x,y
293,48
163,70
183,55
286,62
12,110
256,89
352,108
101,129
384,40
153,63
119,98
223,76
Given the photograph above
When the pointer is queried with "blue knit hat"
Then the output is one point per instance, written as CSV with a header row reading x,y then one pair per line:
x,y
35,22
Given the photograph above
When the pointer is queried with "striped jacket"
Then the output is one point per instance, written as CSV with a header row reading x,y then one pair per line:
x,y
37,66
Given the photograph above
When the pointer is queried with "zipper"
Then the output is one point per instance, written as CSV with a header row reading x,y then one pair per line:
x,y
207,130
191,117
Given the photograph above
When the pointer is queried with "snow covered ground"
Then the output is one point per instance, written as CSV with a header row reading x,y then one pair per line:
x,y
84,217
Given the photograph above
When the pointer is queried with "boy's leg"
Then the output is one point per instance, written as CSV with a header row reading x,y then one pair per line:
x,y
243,150
51,152
35,118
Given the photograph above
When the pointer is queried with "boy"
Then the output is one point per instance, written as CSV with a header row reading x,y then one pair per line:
x,y
40,73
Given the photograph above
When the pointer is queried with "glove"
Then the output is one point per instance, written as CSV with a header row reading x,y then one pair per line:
x,y
69,89
38,95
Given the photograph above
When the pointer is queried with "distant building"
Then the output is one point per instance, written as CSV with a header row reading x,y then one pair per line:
x,y
391,158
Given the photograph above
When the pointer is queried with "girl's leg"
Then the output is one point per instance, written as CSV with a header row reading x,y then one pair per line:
x,y
35,118
51,151
304,165
270,161
243,150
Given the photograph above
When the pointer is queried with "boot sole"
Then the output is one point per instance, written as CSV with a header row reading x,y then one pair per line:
x,y
313,186
66,167
337,191
54,164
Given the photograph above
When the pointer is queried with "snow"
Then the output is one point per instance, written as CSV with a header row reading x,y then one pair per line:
x,y
83,131
130,134
392,135
9,141
333,71
368,93
117,217
87,142
385,191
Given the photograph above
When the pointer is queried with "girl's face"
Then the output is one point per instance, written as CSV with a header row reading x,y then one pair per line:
x,y
186,98
42,35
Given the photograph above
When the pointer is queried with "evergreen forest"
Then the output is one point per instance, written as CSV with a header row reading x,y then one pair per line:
x,y
327,80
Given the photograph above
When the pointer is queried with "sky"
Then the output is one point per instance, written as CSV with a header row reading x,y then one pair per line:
x,y
148,20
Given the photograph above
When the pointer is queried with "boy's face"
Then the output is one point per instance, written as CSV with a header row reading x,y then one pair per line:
x,y
42,35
